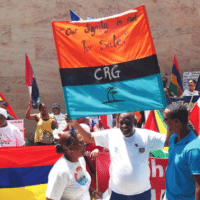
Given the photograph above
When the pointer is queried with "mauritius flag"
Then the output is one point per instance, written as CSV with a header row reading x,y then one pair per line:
x,y
108,65
175,82
24,172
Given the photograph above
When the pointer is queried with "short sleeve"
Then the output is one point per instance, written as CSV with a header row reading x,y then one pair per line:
x,y
156,140
56,185
193,159
19,137
101,138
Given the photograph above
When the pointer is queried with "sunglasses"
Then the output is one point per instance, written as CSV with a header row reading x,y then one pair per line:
x,y
166,118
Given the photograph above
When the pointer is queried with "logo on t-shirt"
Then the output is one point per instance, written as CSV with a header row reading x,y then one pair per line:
x,y
4,140
80,176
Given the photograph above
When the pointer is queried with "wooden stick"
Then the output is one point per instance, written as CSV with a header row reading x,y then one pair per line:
x,y
190,103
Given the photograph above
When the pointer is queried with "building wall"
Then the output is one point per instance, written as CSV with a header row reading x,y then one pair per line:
x,y
25,27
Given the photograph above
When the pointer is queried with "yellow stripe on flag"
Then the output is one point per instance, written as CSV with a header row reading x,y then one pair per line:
x,y
35,192
161,126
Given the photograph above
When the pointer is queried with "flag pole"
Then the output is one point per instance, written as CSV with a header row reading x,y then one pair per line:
x,y
190,103
30,91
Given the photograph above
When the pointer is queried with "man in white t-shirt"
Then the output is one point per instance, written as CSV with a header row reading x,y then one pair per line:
x,y
10,136
129,149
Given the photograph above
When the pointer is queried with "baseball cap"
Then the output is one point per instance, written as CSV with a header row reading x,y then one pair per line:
x,y
56,105
3,112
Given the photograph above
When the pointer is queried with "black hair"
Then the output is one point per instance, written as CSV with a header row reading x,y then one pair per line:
x,y
179,111
4,103
192,80
70,141
40,106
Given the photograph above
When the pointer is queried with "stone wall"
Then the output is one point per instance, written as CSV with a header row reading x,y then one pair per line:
x,y
25,27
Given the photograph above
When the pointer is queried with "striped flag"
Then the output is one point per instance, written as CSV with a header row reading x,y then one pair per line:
x,y
30,81
9,109
24,172
108,65
155,122
176,83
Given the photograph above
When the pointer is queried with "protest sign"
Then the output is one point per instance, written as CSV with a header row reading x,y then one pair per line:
x,y
157,174
189,75
185,100
109,63
19,124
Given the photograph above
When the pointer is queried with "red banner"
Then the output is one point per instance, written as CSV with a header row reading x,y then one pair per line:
x,y
157,177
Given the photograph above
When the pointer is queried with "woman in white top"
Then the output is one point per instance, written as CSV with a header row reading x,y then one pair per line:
x,y
191,91
68,179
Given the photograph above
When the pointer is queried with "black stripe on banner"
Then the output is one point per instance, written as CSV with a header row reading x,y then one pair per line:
x,y
111,73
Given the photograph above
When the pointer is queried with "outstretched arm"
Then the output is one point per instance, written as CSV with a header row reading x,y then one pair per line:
x,y
87,136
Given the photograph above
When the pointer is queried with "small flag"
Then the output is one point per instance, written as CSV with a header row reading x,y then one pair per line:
x,y
9,109
74,16
195,116
175,83
30,81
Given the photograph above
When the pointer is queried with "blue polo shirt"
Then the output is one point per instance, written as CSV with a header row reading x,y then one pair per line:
x,y
184,162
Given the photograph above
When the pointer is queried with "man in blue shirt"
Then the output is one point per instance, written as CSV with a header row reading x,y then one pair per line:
x,y
182,176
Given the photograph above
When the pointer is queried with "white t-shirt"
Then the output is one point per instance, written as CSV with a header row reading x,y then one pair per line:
x,y
68,181
10,136
129,169
188,93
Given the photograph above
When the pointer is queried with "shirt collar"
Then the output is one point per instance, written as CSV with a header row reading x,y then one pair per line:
x,y
186,139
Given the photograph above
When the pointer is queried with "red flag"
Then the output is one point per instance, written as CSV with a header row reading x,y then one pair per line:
x,y
28,72
9,109
194,116
151,122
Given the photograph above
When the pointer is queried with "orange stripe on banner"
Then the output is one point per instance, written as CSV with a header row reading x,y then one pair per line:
x,y
103,41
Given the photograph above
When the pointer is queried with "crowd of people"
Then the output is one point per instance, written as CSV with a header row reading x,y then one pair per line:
x,y
128,144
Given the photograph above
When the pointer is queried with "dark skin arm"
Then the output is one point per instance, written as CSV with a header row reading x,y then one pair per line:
x,y
197,183
88,138
94,193
28,113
